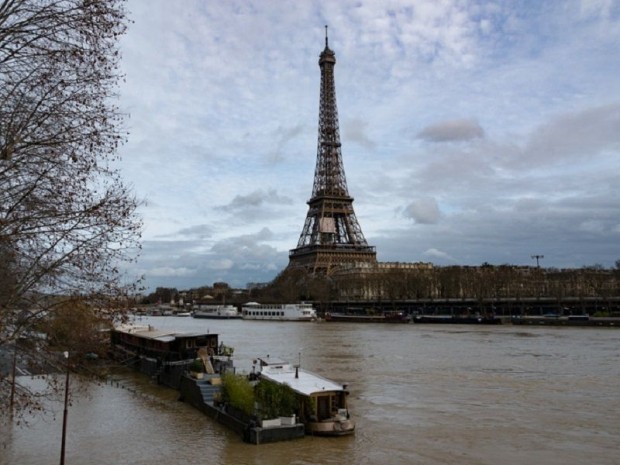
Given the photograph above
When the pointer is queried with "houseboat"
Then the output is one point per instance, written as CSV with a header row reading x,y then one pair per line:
x,y
170,357
322,404
218,312
278,312
166,355
364,317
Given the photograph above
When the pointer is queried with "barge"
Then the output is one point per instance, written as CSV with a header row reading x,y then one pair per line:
x,y
457,320
570,320
357,317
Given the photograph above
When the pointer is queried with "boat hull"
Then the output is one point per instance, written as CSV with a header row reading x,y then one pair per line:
x,y
212,316
330,428
352,318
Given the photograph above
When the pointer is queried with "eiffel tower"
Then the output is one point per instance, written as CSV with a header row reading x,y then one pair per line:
x,y
331,235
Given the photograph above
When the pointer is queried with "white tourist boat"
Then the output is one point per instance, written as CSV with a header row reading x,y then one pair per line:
x,y
278,312
218,312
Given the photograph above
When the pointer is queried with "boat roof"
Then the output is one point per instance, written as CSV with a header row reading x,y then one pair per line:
x,y
149,332
306,383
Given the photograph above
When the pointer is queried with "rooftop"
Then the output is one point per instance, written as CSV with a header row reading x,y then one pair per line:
x,y
305,383
149,332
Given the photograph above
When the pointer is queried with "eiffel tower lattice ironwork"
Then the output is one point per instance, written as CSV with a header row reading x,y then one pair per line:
x,y
331,235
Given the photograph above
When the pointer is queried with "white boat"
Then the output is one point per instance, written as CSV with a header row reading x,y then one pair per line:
x,y
278,312
322,404
219,312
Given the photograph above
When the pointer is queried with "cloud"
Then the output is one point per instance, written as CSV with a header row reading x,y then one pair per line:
x,y
169,272
220,264
256,198
582,133
199,231
186,262
284,136
423,211
356,130
515,151
452,131
438,254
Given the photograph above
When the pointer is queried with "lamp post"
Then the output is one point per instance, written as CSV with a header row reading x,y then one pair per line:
x,y
13,373
64,414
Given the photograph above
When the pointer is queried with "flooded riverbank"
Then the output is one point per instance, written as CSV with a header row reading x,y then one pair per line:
x,y
419,394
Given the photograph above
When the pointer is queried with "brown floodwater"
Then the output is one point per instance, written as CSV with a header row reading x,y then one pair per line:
x,y
420,394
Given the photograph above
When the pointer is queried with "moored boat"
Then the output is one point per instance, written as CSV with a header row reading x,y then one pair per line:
x,y
322,403
457,320
166,355
278,312
570,320
218,312
384,317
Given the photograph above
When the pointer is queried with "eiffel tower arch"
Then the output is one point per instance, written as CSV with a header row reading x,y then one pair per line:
x,y
331,235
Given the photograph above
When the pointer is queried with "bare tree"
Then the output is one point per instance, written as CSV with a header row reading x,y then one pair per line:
x,y
67,220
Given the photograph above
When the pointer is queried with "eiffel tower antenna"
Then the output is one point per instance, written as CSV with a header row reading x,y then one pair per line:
x,y
331,235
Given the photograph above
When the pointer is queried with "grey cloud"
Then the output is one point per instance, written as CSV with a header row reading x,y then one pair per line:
x,y
583,133
433,253
284,136
200,231
423,211
567,237
191,263
452,131
255,199
356,130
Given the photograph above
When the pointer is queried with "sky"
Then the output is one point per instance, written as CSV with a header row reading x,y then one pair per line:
x,y
472,131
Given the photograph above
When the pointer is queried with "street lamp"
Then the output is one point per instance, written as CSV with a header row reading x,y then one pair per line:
x,y
64,414
537,257
13,373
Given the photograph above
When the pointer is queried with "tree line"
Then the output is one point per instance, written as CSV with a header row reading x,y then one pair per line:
x,y
413,283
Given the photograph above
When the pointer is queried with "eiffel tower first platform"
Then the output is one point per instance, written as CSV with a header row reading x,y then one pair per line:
x,y
331,236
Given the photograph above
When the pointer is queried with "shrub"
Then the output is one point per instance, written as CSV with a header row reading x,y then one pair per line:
x,y
275,399
238,392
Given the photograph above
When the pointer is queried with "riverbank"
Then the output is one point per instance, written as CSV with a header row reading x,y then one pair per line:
x,y
28,361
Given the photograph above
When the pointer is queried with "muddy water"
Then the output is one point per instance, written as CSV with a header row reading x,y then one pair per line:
x,y
420,394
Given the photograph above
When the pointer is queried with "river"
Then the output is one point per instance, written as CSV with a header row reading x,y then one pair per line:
x,y
420,394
